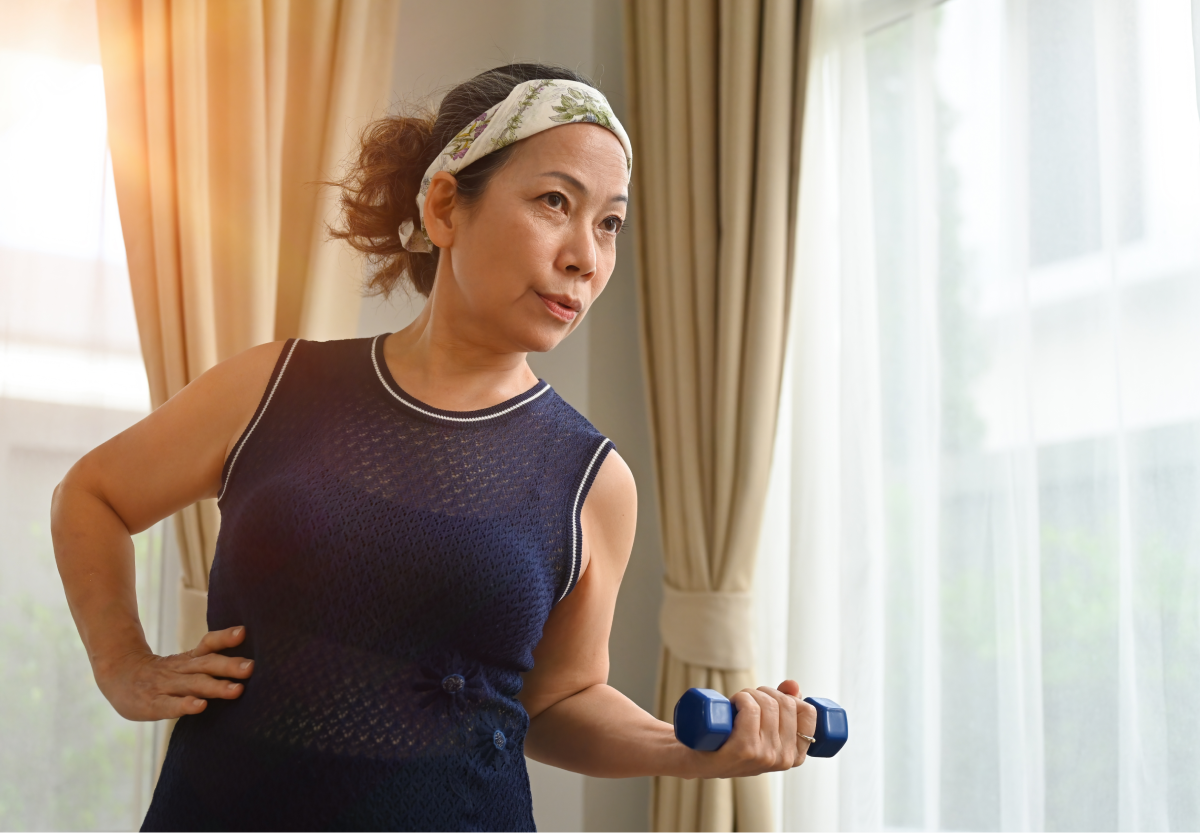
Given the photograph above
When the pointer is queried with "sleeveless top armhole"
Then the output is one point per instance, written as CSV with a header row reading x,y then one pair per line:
x,y
581,493
285,356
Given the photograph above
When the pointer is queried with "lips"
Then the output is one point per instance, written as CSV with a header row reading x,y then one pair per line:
x,y
563,307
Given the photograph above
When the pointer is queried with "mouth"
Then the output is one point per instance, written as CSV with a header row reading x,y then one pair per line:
x,y
562,307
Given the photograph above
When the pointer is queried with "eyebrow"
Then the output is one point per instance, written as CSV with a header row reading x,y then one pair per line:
x,y
580,187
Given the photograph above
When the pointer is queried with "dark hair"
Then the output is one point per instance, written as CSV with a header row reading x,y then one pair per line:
x,y
379,192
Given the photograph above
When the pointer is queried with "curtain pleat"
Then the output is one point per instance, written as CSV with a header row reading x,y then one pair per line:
x,y
222,118
716,92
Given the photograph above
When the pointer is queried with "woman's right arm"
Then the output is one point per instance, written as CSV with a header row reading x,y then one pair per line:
x,y
165,462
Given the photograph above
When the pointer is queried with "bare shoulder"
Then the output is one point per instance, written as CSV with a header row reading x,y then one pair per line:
x,y
175,455
614,489
227,394
230,391
244,375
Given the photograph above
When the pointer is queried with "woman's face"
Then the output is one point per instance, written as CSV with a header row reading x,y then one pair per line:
x,y
525,263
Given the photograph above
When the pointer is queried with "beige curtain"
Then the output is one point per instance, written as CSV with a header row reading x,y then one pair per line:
x,y
716,101
222,116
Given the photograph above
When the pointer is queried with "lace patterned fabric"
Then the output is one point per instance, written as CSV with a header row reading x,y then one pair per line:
x,y
394,565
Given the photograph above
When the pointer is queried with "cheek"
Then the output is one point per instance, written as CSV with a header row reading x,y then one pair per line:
x,y
504,255
607,263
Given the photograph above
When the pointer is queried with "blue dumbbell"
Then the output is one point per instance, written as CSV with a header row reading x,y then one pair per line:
x,y
704,719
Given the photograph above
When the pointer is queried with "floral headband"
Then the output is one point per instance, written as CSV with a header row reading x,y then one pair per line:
x,y
530,108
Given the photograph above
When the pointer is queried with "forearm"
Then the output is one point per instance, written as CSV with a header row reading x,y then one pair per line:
x,y
602,733
94,553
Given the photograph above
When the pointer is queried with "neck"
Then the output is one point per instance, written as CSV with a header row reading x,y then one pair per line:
x,y
446,360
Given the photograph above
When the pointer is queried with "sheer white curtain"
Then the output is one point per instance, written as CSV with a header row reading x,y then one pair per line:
x,y
984,529
71,376
1196,45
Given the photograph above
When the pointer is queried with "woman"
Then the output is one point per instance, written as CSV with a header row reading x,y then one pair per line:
x,y
421,543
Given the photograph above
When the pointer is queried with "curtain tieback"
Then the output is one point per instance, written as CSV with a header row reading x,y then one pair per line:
x,y
712,629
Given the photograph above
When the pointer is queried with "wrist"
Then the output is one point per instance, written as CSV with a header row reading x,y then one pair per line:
x,y
111,632
117,652
691,764
687,763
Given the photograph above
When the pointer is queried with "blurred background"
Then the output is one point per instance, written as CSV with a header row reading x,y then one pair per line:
x,y
982,528
71,376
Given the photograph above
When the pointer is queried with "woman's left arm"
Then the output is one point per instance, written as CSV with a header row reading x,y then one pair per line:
x,y
579,722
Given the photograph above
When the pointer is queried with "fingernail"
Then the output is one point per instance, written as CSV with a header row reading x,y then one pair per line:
x,y
233,685
247,664
237,631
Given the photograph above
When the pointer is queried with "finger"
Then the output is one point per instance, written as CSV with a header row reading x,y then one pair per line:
x,y
214,641
745,744
772,749
806,724
748,719
219,665
806,718
202,685
786,704
791,687
167,707
802,746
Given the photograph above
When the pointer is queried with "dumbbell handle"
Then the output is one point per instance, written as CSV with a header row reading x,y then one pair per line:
x,y
704,720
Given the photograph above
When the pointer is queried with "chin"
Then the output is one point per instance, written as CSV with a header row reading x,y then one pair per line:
x,y
542,339
544,345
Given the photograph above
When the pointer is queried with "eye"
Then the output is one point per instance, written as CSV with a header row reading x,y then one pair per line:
x,y
613,224
555,200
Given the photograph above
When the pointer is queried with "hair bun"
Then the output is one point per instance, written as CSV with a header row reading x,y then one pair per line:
x,y
380,192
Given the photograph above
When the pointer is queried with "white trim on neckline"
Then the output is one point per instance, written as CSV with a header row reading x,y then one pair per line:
x,y
399,398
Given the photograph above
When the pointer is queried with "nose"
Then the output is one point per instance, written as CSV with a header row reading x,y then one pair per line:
x,y
577,257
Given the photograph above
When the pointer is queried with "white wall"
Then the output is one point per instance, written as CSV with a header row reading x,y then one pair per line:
x,y
598,369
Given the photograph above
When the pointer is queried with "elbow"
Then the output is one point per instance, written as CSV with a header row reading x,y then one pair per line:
x,y
57,498
539,704
64,500
536,706
59,510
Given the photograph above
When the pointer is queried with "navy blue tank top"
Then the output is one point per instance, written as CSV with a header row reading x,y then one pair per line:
x,y
394,565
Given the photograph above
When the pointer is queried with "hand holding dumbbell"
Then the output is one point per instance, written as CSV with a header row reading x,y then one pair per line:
x,y
704,720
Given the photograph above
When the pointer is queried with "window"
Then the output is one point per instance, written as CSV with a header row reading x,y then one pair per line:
x,y
71,376
997,376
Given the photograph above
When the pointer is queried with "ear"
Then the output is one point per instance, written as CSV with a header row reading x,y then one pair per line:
x,y
440,201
